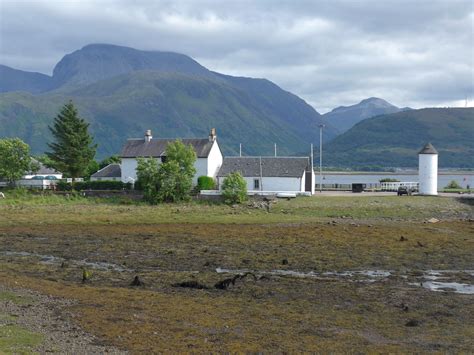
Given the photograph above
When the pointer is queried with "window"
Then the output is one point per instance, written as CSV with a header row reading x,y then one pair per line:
x,y
256,184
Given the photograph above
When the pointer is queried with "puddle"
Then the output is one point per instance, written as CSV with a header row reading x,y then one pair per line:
x,y
434,280
455,287
359,275
55,260
444,281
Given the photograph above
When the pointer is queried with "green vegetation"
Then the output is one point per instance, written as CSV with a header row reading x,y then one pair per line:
x,y
395,139
388,180
113,159
93,185
15,159
18,340
73,150
234,188
206,183
8,296
172,180
453,184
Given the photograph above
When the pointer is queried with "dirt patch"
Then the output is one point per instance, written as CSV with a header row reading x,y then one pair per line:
x,y
47,318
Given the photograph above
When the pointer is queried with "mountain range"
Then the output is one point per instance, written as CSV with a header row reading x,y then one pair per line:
x,y
123,91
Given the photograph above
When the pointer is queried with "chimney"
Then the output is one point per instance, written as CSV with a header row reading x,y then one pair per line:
x,y
148,136
212,135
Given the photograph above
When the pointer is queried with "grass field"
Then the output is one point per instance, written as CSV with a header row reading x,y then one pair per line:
x,y
332,274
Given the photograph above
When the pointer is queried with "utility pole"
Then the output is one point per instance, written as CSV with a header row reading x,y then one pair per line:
x,y
240,149
321,126
275,149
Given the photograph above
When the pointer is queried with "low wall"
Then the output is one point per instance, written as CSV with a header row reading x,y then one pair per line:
x,y
130,194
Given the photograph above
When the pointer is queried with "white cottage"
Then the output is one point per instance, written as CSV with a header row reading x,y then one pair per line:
x,y
271,174
208,162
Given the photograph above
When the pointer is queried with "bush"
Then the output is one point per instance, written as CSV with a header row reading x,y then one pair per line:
x,y
388,180
453,185
234,188
93,185
206,183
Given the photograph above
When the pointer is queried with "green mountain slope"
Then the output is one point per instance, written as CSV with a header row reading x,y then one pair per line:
x,y
395,139
172,105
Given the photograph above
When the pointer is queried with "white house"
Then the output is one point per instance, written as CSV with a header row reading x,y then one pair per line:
x,y
271,174
208,162
111,172
42,178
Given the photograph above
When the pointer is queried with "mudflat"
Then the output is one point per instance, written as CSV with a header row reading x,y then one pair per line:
x,y
368,273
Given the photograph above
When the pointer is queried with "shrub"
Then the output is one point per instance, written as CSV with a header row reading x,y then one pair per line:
x,y
453,185
206,183
234,188
388,180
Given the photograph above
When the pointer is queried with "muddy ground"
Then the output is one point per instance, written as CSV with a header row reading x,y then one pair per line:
x,y
341,284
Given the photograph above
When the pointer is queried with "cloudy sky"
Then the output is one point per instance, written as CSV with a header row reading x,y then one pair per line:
x,y
331,53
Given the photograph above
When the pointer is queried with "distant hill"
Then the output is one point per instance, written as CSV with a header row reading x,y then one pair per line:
x,y
394,140
123,91
18,80
345,117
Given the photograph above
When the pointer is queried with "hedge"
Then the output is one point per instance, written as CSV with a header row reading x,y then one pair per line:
x,y
94,185
206,183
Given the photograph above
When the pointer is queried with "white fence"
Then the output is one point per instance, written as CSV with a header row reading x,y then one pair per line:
x,y
393,186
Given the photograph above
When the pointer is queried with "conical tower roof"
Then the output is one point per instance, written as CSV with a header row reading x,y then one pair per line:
x,y
428,149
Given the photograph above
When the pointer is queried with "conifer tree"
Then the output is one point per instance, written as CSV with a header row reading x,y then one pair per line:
x,y
73,149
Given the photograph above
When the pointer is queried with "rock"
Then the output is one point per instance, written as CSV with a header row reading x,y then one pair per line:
x,y
284,262
403,239
412,323
137,282
191,284
433,220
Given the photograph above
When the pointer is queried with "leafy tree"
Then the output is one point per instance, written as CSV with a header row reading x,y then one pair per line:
x,y
92,168
170,181
113,159
15,159
234,188
73,149
147,176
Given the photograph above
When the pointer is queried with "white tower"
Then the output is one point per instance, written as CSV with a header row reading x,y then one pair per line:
x,y
428,170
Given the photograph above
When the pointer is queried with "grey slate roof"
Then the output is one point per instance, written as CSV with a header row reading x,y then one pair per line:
x,y
271,166
111,171
157,146
428,149
43,170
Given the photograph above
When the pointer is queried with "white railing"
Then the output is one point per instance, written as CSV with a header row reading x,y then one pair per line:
x,y
393,186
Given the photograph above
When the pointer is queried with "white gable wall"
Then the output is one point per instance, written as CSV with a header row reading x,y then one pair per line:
x,y
214,162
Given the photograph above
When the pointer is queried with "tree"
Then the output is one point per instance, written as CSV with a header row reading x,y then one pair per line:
x,y
234,188
73,148
147,176
15,160
170,181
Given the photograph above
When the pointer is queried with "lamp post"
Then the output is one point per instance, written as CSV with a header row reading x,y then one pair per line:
x,y
321,126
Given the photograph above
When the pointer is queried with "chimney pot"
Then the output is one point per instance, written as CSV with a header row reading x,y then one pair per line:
x,y
212,135
148,135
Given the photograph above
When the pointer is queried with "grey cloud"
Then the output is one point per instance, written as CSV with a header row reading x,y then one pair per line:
x,y
331,53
